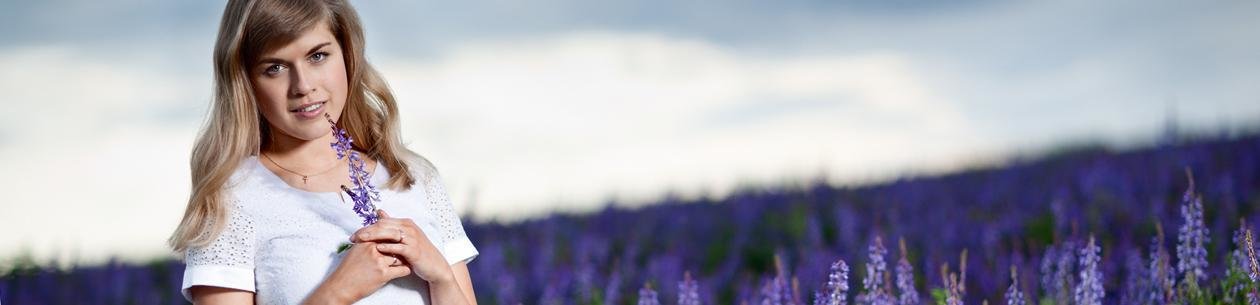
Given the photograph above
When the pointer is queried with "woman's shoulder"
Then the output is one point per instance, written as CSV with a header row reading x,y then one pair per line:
x,y
246,178
420,167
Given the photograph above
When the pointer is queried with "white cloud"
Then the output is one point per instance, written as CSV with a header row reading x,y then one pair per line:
x,y
92,169
554,122
565,121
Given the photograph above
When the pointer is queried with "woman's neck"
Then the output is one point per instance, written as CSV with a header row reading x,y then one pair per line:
x,y
301,154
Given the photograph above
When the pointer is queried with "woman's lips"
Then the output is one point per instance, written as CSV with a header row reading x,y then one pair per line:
x,y
309,111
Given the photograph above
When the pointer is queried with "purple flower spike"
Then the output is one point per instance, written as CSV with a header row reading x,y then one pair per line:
x,y
1192,238
905,278
363,193
876,292
1013,295
837,286
1253,271
688,291
1090,289
1160,272
647,296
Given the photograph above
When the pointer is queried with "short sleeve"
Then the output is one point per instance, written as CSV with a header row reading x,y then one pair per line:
x,y
226,262
455,246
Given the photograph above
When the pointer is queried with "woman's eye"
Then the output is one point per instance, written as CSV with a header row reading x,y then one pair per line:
x,y
318,57
274,69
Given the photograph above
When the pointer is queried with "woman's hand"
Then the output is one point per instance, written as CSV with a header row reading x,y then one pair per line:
x,y
402,238
362,271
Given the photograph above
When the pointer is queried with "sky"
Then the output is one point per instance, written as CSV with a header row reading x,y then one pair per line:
x,y
536,107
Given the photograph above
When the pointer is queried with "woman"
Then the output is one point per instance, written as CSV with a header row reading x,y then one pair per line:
x,y
266,214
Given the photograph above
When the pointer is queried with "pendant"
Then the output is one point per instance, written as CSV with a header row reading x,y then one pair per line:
x,y
304,179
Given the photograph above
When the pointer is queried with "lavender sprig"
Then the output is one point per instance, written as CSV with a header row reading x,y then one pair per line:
x,y
363,193
647,296
876,269
1136,278
1192,237
1013,295
1161,273
905,278
837,286
1239,255
688,291
1064,283
1253,271
777,291
1090,289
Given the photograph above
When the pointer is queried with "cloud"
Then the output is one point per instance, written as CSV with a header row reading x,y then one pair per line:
x,y
94,140
561,122
64,93
570,119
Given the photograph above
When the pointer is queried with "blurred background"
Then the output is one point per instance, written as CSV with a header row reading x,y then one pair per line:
x,y
540,111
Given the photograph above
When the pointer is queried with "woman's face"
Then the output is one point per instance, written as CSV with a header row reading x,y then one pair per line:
x,y
297,83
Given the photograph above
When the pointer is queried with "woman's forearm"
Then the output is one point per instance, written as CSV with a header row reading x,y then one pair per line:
x,y
446,292
325,295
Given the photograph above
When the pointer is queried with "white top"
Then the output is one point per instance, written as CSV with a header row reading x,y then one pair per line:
x,y
280,241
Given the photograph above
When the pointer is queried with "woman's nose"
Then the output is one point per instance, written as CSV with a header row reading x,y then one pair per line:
x,y
301,82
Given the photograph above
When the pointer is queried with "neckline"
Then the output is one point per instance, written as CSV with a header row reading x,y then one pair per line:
x,y
372,178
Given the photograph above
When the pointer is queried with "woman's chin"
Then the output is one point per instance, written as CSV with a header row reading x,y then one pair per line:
x,y
309,133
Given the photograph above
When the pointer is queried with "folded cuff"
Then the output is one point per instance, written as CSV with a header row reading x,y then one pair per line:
x,y
459,250
218,276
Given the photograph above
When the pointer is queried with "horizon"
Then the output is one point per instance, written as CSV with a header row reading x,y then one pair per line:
x,y
25,258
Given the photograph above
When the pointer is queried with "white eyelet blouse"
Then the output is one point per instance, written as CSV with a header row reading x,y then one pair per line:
x,y
280,242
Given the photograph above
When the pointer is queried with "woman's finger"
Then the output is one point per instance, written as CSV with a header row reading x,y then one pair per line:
x,y
378,233
397,271
388,260
394,249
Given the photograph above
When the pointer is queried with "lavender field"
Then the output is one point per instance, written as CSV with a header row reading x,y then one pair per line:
x,y
1159,225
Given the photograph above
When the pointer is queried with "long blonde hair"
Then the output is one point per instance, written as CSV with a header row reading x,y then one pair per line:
x,y
234,128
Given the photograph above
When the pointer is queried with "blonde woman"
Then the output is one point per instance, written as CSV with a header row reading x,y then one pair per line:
x,y
266,213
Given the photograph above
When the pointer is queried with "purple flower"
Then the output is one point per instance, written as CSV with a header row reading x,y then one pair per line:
x,y
1047,270
1238,257
1135,279
1254,271
953,292
905,278
876,269
1244,252
612,291
1192,237
363,193
1161,275
837,286
688,291
647,296
1062,283
1238,261
1090,289
777,291
1013,295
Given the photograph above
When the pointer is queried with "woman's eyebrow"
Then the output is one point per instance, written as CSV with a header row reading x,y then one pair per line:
x,y
317,47
281,61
